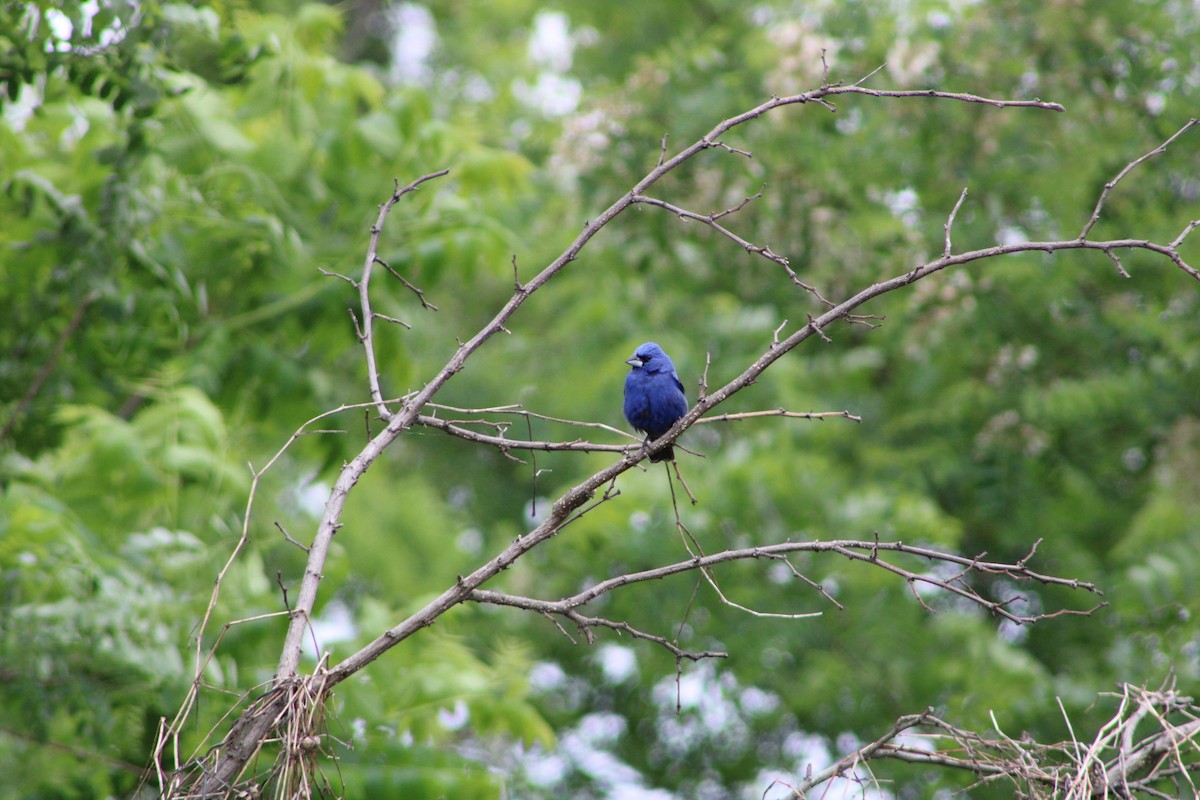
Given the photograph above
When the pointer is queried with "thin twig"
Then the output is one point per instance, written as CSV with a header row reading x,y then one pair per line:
x,y
779,412
407,285
1108,187
363,285
711,221
950,221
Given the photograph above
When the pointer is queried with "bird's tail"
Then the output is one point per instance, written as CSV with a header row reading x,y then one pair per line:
x,y
666,454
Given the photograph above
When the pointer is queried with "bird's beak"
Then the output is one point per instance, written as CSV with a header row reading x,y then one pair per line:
x,y
634,361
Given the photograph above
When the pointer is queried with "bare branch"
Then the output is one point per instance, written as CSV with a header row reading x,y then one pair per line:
x,y
813,327
407,285
950,221
288,537
735,209
779,412
1108,187
866,753
338,275
813,584
393,320
711,221
679,476
1117,261
504,443
516,409
728,148
775,333
858,550
565,608
368,316
358,330
455,427
1191,226
960,96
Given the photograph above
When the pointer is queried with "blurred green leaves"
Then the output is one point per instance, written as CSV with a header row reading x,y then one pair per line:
x,y
173,179
100,541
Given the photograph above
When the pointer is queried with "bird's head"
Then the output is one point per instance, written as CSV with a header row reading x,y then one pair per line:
x,y
651,357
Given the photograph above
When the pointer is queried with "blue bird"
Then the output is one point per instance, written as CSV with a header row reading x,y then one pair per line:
x,y
654,398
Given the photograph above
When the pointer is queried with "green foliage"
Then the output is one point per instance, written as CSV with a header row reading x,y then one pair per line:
x,y
100,541
168,245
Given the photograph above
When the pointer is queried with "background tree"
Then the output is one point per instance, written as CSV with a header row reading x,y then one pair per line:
x,y
1037,397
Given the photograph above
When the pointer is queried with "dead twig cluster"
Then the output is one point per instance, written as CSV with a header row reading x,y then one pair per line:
x,y
1149,748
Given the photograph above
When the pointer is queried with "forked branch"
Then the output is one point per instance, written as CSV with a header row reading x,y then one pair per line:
x,y
956,584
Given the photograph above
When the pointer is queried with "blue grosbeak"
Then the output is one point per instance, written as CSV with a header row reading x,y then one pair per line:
x,y
654,398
